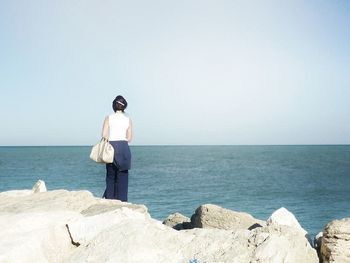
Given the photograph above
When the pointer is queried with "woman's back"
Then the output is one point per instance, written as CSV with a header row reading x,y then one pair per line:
x,y
118,126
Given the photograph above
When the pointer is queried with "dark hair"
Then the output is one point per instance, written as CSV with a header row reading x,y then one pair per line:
x,y
119,103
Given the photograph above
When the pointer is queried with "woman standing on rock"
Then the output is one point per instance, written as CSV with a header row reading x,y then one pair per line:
x,y
117,128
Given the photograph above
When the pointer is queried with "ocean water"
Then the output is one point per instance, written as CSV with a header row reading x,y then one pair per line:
x,y
313,182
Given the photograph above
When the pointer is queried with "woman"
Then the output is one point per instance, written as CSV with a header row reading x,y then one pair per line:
x,y
117,128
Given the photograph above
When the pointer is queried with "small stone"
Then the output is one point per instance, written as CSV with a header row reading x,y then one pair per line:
x,y
178,221
39,187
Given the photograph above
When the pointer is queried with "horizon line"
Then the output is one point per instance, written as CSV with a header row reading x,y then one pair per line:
x,y
151,145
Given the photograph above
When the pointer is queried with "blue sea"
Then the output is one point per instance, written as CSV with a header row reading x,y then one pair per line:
x,y
313,182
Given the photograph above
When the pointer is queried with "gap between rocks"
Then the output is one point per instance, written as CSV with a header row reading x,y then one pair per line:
x,y
77,244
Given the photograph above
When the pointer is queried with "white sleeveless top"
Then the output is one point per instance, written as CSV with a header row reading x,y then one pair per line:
x,y
118,125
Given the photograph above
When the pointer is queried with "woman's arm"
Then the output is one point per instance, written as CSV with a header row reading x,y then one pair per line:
x,y
129,131
105,129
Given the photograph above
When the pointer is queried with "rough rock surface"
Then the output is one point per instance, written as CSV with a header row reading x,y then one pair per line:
x,y
275,244
335,243
138,238
63,226
178,221
213,216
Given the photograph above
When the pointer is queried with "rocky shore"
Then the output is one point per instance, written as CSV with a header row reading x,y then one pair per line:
x,y
74,226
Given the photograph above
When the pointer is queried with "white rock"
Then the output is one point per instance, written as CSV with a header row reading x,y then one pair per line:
x,y
285,218
39,187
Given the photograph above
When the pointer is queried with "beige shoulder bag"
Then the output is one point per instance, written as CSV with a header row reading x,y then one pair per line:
x,y
102,152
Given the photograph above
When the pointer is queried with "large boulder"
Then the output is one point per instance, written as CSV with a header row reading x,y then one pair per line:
x,y
335,243
124,236
213,216
34,226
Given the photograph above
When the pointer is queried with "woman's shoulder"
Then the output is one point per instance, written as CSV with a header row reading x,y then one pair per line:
x,y
118,116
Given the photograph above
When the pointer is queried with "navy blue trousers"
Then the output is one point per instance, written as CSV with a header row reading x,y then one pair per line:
x,y
116,183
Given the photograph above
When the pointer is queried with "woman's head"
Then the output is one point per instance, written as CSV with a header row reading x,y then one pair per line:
x,y
119,103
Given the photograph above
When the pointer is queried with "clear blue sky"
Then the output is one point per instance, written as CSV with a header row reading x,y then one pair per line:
x,y
193,72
